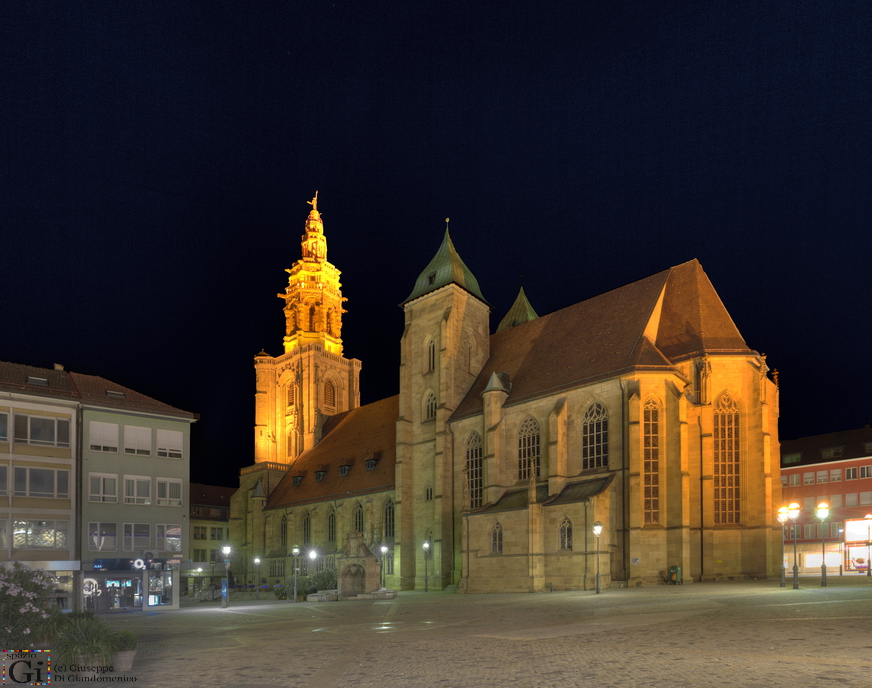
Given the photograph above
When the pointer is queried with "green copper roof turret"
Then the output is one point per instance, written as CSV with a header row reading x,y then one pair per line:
x,y
520,312
445,268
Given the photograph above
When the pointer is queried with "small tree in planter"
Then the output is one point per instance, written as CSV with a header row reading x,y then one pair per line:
x,y
84,640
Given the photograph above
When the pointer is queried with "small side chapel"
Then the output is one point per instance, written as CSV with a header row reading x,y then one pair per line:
x,y
641,409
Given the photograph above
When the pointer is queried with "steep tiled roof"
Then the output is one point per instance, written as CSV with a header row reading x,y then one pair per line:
x,y
350,438
610,334
446,268
211,495
87,389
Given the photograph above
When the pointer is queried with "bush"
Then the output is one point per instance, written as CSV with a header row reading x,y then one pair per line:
x,y
124,641
84,639
24,594
323,580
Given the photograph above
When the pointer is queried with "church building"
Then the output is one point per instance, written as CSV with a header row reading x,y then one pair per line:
x,y
641,410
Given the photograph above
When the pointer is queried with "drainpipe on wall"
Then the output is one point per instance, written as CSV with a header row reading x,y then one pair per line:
x,y
625,496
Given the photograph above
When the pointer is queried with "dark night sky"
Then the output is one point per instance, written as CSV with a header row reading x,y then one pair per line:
x,y
157,158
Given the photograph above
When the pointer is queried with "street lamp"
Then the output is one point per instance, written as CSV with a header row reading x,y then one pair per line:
x,y
257,579
868,518
295,550
212,579
226,595
822,512
782,519
793,514
597,530
426,547
384,551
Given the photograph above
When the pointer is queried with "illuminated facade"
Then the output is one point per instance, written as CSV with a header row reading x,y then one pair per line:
x,y
642,408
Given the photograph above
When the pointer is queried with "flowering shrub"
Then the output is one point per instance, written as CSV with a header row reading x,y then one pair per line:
x,y
23,600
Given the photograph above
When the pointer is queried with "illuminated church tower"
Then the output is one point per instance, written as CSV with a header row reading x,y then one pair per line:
x,y
311,379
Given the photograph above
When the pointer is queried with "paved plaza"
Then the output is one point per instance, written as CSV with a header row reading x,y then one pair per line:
x,y
750,634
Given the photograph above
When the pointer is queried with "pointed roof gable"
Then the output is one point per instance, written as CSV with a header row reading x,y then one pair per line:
x,y
693,318
635,326
445,268
520,312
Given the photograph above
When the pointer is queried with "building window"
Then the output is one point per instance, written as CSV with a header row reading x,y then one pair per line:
x,y
41,482
835,501
794,479
651,462
358,518
822,476
169,492
4,485
283,534
169,444
528,449
808,503
39,534
169,537
104,487
343,469
137,440
277,568
319,476
200,555
297,480
216,534
371,463
103,437
566,534
137,536
389,563
4,427
809,531
727,476
497,539
199,532
102,537
796,457
307,529
430,407
331,526
474,470
595,438
329,394
865,498
832,452
836,475
808,478
431,356
851,499
835,527
137,489
851,473
428,493
389,519
43,431
866,471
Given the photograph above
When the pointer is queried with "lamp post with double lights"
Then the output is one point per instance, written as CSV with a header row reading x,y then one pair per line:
x,y
793,514
257,578
782,519
823,512
426,547
295,550
597,530
226,596
384,551
868,518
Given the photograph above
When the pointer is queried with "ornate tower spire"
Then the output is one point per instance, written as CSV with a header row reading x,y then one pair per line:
x,y
313,298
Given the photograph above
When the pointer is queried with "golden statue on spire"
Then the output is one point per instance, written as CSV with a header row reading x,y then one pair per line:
x,y
314,202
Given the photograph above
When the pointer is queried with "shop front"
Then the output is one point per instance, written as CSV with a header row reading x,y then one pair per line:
x,y
131,585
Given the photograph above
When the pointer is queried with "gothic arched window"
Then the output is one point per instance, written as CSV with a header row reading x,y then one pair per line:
x,y
595,437
497,538
331,526
651,462
726,461
311,318
307,528
430,357
283,531
329,394
358,518
389,519
528,448
566,534
474,470
430,407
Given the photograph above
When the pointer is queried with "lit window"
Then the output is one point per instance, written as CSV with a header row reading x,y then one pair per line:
x,y
832,452
796,457
595,438
169,537
39,534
